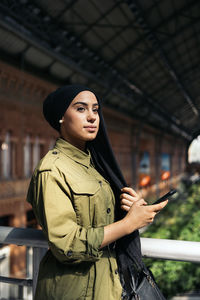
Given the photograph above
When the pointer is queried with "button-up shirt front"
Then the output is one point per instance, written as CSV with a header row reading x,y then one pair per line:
x,y
73,203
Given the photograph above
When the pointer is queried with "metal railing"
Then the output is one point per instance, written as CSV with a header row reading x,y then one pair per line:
x,y
153,248
171,249
29,237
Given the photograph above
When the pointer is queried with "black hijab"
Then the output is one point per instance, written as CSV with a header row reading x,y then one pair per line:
x,y
128,249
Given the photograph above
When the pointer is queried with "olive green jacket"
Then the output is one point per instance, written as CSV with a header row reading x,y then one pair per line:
x,y
73,203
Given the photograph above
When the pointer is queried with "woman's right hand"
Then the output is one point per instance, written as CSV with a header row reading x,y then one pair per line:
x,y
140,214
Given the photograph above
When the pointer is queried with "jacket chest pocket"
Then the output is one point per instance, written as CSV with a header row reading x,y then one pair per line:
x,y
84,193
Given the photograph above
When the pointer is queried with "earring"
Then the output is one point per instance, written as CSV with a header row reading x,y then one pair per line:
x,y
61,121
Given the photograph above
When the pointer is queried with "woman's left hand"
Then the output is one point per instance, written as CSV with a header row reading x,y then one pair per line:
x,y
128,197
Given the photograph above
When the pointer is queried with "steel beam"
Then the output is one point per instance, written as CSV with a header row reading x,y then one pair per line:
x,y
157,46
12,23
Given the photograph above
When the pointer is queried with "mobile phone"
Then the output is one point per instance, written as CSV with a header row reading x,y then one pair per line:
x,y
166,196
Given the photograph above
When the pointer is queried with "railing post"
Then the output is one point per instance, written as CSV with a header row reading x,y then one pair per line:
x,y
38,253
20,292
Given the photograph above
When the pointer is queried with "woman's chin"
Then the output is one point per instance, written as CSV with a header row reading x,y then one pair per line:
x,y
91,137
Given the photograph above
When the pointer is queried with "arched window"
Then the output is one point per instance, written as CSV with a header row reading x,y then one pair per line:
x,y
27,157
144,169
6,161
36,152
165,166
51,144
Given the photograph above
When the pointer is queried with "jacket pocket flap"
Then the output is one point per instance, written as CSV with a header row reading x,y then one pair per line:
x,y
89,187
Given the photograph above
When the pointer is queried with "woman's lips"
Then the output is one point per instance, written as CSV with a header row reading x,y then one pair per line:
x,y
90,128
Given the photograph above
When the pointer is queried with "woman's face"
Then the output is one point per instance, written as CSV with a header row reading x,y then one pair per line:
x,y
81,120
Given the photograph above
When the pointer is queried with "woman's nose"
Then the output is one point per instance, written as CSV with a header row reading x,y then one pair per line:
x,y
91,117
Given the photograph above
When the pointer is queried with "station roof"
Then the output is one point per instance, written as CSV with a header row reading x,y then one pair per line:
x,y
141,56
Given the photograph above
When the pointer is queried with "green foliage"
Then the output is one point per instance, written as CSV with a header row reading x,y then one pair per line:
x,y
180,220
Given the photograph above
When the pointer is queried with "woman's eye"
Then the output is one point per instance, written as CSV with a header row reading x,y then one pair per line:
x,y
95,110
81,109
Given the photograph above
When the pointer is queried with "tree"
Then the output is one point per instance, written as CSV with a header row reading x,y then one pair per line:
x,y
180,220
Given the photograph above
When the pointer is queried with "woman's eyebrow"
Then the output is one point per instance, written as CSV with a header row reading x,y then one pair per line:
x,y
85,104
79,102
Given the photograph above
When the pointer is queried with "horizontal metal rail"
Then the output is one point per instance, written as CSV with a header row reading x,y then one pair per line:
x,y
153,248
22,236
171,249
17,281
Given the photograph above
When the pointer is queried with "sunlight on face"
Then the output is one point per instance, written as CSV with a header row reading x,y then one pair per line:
x,y
81,120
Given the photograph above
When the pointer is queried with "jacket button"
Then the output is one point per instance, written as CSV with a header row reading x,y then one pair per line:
x,y
69,253
108,210
54,152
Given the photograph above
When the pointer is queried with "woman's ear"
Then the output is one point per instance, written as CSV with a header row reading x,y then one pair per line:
x,y
61,120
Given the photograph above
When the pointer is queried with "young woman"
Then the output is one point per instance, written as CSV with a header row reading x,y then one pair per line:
x,y
81,200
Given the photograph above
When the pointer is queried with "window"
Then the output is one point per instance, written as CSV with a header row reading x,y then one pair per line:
x,y
36,152
6,161
165,166
144,166
4,221
51,144
144,169
27,157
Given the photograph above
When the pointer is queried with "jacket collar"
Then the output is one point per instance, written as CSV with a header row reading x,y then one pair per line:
x,y
73,152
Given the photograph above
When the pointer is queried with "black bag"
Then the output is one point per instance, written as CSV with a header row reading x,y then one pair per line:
x,y
137,280
141,285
